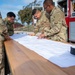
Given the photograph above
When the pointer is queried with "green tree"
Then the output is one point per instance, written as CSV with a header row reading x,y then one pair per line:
x,y
25,15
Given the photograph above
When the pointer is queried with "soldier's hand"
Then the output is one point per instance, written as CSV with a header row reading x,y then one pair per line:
x,y
32,34
7,37
41,36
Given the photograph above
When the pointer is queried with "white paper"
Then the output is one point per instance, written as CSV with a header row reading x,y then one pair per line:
x,y
56,52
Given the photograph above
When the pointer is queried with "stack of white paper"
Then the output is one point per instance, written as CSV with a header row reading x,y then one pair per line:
x,y
56,52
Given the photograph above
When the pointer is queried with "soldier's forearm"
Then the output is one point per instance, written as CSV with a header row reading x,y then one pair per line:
x,y
53,31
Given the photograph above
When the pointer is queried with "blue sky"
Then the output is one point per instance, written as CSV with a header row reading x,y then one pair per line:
x,y
13,5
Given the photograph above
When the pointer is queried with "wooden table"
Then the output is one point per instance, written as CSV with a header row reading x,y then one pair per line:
x,y
23,61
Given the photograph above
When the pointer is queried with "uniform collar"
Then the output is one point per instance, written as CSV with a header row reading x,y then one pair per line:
x,y
52,11
41,14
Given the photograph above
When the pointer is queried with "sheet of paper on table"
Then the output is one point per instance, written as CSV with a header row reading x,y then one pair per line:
x,y
56,52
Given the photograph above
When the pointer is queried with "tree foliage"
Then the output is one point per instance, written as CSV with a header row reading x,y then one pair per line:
x,y
25,15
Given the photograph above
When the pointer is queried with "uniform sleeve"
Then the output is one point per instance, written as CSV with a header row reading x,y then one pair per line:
x,y
36,29
3,28
42,23
56,25
5,32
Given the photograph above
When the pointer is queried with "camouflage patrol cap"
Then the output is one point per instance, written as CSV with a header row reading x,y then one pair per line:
x,y
0,15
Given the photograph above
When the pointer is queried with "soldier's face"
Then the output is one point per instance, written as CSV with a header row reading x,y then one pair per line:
x,y
47,8
11,19
37,15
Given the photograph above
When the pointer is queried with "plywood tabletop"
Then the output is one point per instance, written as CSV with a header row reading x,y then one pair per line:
x,y
23,61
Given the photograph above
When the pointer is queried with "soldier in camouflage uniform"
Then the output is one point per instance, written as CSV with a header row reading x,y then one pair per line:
x,y
9,22
3,36
42,21
58,27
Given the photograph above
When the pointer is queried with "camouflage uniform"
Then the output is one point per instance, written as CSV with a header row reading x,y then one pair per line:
x,y
9,27
3,31
42,23
58,27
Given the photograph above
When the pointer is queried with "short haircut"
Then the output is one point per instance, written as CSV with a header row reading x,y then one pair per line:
x,y
35,10
48,2
11,14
